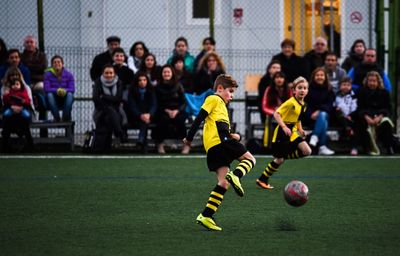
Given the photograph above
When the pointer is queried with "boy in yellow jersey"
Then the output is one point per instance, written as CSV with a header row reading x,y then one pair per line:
x,y
222,147
288,139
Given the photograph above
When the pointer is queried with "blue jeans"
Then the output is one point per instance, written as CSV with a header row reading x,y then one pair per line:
x,y
55,103
24,113
321,127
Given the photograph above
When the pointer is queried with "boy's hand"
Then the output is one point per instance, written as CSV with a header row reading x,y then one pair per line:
x,y
186,142
302,132
235,136
287,131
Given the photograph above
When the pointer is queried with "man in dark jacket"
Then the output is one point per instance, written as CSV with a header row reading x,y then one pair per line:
x,y
104,58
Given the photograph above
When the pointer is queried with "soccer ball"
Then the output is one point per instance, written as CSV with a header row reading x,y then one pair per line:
x,y
296,193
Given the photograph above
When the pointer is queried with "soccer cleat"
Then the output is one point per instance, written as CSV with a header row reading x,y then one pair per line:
x,y
235,182
264,185
208,223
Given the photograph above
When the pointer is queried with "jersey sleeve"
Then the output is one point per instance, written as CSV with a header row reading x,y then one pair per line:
x,y
209,104
284,107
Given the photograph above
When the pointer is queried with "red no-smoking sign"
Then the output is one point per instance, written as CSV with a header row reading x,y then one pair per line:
x,y
356,17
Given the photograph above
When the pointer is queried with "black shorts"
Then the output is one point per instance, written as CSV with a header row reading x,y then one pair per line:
x,y
223,154
285,147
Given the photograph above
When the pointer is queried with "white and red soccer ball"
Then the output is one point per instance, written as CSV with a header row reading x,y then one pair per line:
x,y
296,193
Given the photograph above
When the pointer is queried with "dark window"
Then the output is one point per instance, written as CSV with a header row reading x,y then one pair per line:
x,y
200,9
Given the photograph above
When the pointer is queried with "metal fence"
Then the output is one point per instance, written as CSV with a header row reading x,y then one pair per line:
x,y
248,33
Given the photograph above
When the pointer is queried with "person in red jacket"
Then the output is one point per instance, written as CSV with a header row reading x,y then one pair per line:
x,y
16,100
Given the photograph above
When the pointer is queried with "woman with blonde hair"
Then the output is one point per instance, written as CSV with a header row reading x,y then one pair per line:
x,y
210,67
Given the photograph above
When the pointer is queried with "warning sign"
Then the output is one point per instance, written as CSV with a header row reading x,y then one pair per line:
x,y
356,17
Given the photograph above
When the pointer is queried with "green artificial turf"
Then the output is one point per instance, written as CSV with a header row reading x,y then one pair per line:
x,y
148,207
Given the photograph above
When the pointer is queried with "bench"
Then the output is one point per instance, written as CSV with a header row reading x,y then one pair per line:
x,y
67,138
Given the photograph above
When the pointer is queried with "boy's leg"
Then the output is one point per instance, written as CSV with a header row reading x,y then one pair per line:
x,y
247,162
271,168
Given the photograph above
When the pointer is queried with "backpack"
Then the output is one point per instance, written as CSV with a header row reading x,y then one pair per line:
x,y
88,141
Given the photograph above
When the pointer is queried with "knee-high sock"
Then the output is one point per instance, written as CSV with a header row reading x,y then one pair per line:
x,y
243,168
214,201
295,154
271,168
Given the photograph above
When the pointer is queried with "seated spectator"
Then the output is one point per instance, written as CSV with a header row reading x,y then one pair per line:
x,y
150,67
210,67
369,63
181,48
291,64
275,94
335,73
3,52
171,114
142,106
374,109
136,54
316,57
16,115
208,46
319,101
107,96
104,58
346,106
59,85
125,74
355,55
184,77
266,80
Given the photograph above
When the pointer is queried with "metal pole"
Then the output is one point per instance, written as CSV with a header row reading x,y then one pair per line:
x,y
211,14
40,25
332,42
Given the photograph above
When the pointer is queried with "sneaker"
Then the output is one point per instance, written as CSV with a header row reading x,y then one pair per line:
x,y
235,182
264,185
325,151
208,223
354,152
161,149
313,140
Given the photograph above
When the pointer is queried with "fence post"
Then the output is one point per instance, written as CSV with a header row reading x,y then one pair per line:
x,y
40,25
211,14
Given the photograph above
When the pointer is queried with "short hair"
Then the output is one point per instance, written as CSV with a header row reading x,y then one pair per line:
x,y
298,81
177,58
320,39
209,39
113,39
226,81
13,50
345,79
288,42
118,50
57,57
181,39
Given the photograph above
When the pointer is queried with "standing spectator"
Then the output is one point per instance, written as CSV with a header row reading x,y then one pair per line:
x,y
346,106
208,46
142,106
104,58
124,73
182,49
265,81
171,114
316,57
369,63
3,52
334,71
319,106
136,53
292,65
150,67
355,55
184,77
59,85
210,67
374,109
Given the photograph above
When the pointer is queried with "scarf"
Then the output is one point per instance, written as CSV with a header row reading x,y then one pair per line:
x,y
109,87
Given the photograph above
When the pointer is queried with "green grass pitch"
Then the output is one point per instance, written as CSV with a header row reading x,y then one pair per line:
x,y
148,206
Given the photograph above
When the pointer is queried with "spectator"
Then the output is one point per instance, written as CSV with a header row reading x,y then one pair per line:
x,y
292,65
319,101
369,63
104,58
208,46
3,52
107,97
125,74
273,67
346,106
136,54
181,48
316,57
210,67
374,109
16,116
150,67
171,115
355,55
275,94
59,85
184,77
334,71
142,106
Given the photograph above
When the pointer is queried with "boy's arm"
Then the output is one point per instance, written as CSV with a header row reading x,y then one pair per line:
x,y
196,124
280,122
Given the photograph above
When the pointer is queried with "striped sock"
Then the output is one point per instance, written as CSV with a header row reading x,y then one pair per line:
x,y
243,168
214,201
271,168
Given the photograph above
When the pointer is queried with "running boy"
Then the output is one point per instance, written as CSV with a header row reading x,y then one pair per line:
x,y
222,147
288,141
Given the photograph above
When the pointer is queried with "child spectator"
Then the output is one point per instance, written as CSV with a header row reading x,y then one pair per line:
x,y
346,106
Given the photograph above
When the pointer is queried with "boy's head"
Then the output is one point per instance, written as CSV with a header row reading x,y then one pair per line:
x,y
225,86
345,85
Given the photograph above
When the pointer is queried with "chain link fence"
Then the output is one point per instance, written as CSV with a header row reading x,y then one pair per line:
x,y
248,33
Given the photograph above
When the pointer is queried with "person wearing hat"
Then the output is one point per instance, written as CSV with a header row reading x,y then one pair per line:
x,y
104,58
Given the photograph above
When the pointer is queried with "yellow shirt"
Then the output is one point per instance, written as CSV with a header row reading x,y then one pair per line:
x,y
217,126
